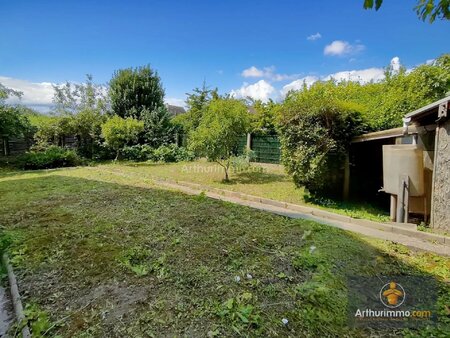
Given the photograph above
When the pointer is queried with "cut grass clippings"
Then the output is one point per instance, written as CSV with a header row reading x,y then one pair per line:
x,y
99,254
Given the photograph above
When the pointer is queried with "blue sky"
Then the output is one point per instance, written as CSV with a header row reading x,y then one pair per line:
x,y
252,48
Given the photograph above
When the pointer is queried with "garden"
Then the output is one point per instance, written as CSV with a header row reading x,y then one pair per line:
x,y
101,249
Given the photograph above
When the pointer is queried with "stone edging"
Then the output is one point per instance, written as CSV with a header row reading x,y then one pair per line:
x,y
18,308
396,228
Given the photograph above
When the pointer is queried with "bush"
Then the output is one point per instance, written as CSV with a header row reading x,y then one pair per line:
x,y
169,153
138,153
316,128
119,132
52,157
172,153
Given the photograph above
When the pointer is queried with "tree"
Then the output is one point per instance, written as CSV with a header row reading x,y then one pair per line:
x,y
402,92
81,110
217,136
263,120
135,91
6,92
315,128
196,103
71,98
424,8
158,130
13,123
119,132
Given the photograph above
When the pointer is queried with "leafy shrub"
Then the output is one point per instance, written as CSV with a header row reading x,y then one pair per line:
x,y
119,132
316,128
52,157
138,153
172,153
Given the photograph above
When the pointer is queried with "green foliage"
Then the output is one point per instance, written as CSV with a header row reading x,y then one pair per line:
x,y
119,132
172,153
264,118
157,127
197,101
239,313
71,98
424,8
135,91
6,92
38,320
13,123
316,128
166,154
138,152
223,123
52,157
402,92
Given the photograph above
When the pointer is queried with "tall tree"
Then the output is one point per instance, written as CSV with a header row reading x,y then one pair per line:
x,y
134,91
158,128
196,103
71,98
81,110
430,9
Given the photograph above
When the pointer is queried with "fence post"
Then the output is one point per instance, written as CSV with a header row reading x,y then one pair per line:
x,y
5,146
346,177
249,141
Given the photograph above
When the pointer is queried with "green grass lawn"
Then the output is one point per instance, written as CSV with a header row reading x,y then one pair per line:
x,y
263,180
99,254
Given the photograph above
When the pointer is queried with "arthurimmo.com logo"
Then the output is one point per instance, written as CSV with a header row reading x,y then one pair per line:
x,y
392,295
393,301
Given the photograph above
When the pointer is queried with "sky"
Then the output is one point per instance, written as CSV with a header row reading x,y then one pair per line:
x,y
260,48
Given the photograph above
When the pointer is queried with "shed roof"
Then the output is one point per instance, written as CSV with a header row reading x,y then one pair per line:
x,y
175,110
430,108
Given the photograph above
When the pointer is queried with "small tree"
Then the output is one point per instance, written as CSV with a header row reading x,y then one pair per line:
x,y
119,132
223,122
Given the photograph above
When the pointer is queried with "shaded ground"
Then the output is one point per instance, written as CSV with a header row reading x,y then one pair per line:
x,y
98,255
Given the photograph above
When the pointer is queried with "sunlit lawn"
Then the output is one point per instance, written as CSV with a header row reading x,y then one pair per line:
x,y
100,254
263,180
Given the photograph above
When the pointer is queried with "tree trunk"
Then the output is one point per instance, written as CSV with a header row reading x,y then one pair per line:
x,y
226,174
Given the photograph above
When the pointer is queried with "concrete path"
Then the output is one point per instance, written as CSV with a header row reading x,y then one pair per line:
x,y
6,311
411,242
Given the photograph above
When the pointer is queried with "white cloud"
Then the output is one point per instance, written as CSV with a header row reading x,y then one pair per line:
x,y
298,84
38,95
266,72
342,48
252,72
314,37
261,90
395,64
361,76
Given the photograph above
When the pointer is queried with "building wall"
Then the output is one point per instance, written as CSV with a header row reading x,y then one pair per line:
x,y
441,195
